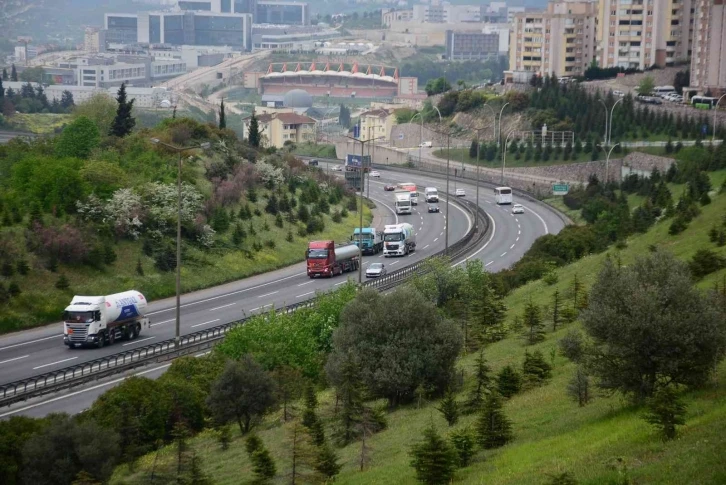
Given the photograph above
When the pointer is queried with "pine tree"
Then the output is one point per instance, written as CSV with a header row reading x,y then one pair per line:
x,y
556,310
13,74
124,122
326,462
222,116
224,436
254,133
509,382
579,387
464,442
302,459
62,283
533,326
535,369
194,474
449,408
263,466
493,427
351,398
310,418
434,459
576,291
483,381
666,411
5,74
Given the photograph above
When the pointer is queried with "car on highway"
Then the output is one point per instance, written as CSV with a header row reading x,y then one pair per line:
x,y
517,209
337,168
313,162
460,192
389,188
375,174
375,270
433,208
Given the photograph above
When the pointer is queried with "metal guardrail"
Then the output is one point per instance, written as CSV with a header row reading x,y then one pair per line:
x,y
78,374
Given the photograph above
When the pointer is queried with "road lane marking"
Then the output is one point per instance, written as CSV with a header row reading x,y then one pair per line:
x,y
306,283
517,240
547,231
30,342
519,233
205,323
516,219
268,294
503,254
436,239
395,262
165,321
494,230
426,246
511,247
305,294
490,262
220,307
137,341
54,363
16,358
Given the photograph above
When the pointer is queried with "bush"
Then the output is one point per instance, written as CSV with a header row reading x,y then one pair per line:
x,y
337,217
270,243
13,289
705,262
62,283
509,382
572,346
678,225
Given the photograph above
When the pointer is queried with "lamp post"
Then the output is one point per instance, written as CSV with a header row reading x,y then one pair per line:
x,y
610,130
420,141
448,196
605,136
504,154
715,108
178,150
607,161
499,138
478,162
362,179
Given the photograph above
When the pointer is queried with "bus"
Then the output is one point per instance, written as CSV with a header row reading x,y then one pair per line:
x,y
411,187
703,102
503,195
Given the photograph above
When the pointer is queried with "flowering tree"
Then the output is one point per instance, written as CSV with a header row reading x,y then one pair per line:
x,y
269,174
161,202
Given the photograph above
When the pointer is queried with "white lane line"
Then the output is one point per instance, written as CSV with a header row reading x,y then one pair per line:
x,y
220,307
205,323
547,231
442,233
54,363
109,383
137,341
490,262
517,240
426,246
519,233
511,247
165,321
268,294
16,358
503,254
305,294
387,207
30,342
306,283
516,219
494,231
436,239
395,262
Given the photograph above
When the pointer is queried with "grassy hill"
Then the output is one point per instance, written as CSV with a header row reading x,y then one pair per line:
x,y
606,442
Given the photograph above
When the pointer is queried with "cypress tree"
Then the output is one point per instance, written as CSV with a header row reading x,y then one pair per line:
x,y
493,428
13,74
254,134
434,459
222,117
124,122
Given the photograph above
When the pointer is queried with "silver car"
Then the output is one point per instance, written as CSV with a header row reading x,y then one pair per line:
x,y
375,270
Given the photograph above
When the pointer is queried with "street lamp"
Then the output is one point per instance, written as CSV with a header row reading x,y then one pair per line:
x,y
478,162
362,179
607,161
504,153
605,137
420,141
610,130
715,108
178,150
499,138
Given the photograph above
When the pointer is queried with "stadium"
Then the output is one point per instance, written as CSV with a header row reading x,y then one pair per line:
x,y
335,81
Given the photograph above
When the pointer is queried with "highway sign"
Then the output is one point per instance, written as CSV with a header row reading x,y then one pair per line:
x,y
560,189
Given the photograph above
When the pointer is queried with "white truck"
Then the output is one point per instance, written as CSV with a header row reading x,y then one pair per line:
x,y
431,194
398,239
403,202
98,320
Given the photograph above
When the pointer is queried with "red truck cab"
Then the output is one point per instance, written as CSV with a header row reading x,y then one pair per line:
x,y
325,259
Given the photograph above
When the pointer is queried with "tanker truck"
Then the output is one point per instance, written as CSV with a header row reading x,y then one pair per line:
x,y
324,258
99,320
398,239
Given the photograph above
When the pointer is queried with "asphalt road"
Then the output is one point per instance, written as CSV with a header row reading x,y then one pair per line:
x,y
41,350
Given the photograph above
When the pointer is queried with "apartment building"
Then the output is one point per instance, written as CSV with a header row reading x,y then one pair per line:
x,y
277,128
641,33
472,45
377,123
708,58
561,39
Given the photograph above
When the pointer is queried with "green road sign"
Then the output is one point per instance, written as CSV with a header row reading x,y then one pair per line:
x,y
560,189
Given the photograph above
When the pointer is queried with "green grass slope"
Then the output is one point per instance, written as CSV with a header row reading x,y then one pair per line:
x,y
605,442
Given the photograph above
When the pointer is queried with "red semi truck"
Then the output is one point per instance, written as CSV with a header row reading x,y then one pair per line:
x,y
324,258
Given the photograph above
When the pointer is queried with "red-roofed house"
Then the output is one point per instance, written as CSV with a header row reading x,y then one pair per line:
x,y
278,128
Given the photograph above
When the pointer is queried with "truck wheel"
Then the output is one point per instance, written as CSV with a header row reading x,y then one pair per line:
x,y
101,340
134,332
112,337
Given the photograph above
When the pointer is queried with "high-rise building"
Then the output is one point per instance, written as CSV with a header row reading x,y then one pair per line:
x,y
708,58
472,45
641,33
263,12
560,40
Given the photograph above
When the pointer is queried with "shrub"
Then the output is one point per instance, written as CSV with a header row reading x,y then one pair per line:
x,y
509,382
666,411
572,346
62,283
705,262
464,442
337,217
13,289
22,267
270,243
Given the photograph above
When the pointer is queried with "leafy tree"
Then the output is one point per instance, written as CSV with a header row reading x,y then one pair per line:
x,y
483,382
67,101
437,86
222,117
65,447
253,136
650,325
493,427
646,86
78,138
263,465
243,391
666,411
533,326
535,369
14,433
449,408
572,346
509,382
99,108
433,459
579,387
464,442
123,123
395,355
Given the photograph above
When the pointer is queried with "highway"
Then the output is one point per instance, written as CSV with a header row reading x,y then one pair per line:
x,y
41,350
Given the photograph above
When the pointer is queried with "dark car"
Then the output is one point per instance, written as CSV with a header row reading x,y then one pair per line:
x,y
433,208
313,162
389,188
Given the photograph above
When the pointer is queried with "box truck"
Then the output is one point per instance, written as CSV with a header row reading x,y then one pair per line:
x,y
403,201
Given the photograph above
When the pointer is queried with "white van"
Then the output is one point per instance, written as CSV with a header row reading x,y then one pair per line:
x,y
426,144
432,195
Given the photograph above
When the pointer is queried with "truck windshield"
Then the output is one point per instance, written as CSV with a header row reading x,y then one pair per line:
x,y
365,237
79,317
317,253
392,237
